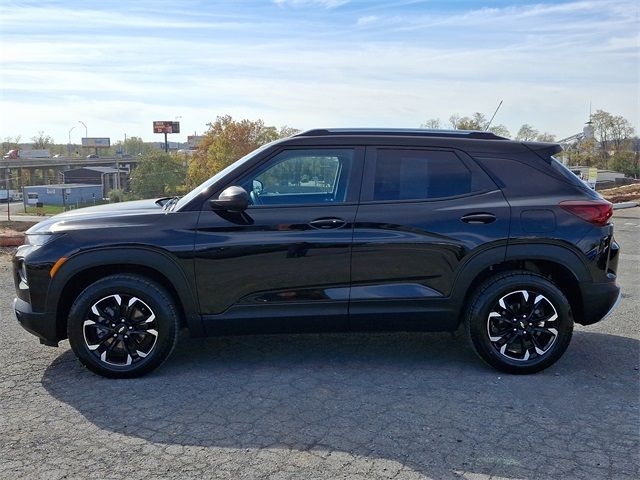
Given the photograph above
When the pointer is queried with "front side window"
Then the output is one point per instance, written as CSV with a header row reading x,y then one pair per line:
x,y
419,175
302,176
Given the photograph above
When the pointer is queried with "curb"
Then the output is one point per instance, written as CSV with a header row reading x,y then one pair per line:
x,y
11,239
620,206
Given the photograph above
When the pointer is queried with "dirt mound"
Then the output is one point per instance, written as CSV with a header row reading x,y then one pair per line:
x,y
627,193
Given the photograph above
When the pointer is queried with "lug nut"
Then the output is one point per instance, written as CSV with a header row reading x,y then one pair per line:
x,y
131,328
126,336
115,334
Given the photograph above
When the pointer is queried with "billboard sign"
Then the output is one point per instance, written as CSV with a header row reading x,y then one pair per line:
x,y
166,127
592,177
194,140
96,142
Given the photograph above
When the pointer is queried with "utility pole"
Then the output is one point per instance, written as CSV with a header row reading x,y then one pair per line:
x,y
69,144
8,176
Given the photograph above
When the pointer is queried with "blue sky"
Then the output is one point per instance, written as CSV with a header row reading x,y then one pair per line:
x,y
119,65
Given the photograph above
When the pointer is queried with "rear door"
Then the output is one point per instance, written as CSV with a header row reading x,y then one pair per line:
x,y
423,213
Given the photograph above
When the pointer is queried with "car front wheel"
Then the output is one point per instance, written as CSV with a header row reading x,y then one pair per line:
x,y
123,326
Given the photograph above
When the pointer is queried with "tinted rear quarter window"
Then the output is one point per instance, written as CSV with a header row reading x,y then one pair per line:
x,y
531,176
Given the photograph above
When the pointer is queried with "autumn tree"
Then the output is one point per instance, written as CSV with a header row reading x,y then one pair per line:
x,y
158,174
42,141
226,141
613,132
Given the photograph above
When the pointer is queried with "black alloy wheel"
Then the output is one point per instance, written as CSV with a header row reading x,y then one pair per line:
x,y
123,326
519,322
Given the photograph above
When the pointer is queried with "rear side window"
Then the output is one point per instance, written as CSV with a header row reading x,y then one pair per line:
x,y
530,176
407,174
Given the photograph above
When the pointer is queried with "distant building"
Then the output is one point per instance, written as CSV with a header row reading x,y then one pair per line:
x,y
105,176
62,194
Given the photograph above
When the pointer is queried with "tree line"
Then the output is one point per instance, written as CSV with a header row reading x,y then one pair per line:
x,y
613,144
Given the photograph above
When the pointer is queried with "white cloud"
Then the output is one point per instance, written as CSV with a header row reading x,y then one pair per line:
x,y
311,3
547,62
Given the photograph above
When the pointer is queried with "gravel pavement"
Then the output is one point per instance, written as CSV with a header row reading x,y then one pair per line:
x,y
401,406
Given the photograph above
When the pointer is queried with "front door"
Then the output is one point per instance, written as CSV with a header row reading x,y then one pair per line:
x,y
284,263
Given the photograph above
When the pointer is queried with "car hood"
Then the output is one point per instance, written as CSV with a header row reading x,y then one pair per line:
x,y
124,214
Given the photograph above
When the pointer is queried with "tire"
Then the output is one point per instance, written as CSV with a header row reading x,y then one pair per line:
x,y
519,322
123,326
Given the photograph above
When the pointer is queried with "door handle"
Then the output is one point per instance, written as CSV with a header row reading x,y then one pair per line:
x,y
327,223
475,218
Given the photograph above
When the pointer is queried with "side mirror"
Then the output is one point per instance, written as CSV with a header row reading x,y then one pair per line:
x,y
232,199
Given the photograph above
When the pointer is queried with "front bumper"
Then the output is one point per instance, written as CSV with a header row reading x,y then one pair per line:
x,y
598,301
39,324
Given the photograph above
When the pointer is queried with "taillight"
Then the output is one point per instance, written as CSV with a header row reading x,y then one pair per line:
x,y
597,212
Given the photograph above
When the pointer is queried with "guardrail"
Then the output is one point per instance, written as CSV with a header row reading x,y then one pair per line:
x,y
62,162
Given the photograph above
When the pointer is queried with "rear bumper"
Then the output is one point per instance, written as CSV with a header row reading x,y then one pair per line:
x,y
39,324
598,301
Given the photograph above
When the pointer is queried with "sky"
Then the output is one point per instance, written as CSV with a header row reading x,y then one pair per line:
x,y
119,65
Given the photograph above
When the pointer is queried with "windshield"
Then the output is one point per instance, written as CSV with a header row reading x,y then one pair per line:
x,y
203,187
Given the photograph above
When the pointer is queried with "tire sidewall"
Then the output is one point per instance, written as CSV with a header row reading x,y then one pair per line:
x,y
477,322
151,294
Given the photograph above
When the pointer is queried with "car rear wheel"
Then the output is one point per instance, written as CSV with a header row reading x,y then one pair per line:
x,y
123,326
519,322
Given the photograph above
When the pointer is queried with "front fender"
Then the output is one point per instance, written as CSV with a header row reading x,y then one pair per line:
x,y
137,256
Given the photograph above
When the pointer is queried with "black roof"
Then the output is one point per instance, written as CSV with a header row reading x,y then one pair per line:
x,y
404,132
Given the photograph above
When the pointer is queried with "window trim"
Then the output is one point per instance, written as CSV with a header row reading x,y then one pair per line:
x,y
368,180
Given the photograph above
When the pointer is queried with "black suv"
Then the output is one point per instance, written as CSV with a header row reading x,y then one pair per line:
x,y
334,230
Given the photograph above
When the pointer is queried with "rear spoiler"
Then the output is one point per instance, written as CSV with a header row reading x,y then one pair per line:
x,y
543,150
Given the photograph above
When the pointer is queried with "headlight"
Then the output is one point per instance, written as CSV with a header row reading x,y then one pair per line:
x,y
22,272
39,239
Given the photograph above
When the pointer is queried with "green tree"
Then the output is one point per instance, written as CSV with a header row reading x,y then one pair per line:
x,y
42,141
226,141
613,132
158,174
627,163
11,143
432,123
546,137
477,121
527,133
132,146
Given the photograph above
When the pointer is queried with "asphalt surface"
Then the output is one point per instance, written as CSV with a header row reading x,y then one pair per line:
x,y
401,406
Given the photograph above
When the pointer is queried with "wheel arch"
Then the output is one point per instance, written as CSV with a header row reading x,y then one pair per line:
x,y
559,264
83,269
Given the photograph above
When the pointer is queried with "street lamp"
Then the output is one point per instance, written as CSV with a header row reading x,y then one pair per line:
x,y
86,135
69,144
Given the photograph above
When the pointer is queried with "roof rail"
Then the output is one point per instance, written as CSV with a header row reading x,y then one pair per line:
x,y
404,132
